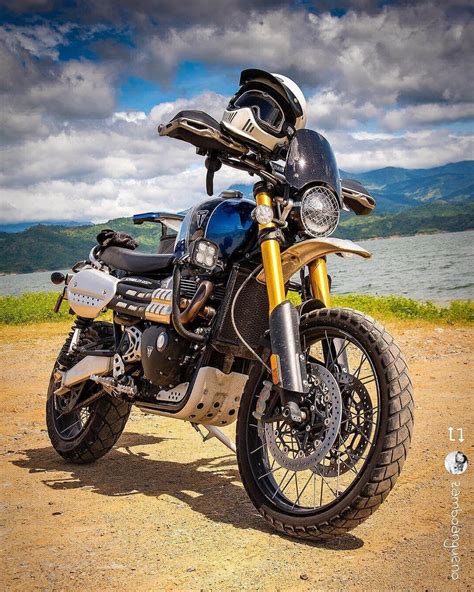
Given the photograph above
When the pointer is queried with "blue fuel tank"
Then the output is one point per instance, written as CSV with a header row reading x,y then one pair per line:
x,y
226,222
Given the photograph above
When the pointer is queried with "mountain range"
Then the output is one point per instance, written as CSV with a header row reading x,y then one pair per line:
x,y
409,201
397,188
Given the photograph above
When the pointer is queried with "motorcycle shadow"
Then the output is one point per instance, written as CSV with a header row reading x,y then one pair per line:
x,y
209,486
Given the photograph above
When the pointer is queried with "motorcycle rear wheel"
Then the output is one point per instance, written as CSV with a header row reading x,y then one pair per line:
x,y
386,426
85,435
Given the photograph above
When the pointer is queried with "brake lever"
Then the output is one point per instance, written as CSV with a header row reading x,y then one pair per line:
x,y
213,164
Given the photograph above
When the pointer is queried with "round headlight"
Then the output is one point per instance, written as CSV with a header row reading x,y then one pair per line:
x,y
319,211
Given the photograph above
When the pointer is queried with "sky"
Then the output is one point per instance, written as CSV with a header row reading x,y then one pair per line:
x,y
85,84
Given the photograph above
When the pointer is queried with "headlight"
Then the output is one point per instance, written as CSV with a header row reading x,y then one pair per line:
x,y
319,211
204,254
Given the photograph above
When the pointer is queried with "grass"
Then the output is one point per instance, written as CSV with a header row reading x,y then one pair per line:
x,y
37,307
32,307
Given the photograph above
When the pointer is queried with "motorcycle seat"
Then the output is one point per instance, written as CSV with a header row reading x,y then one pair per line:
x,y
135,261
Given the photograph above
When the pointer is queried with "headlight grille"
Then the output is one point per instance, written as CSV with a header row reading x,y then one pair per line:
x,y
319,211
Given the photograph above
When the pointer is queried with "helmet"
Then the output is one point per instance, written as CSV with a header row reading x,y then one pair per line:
x,y
266,110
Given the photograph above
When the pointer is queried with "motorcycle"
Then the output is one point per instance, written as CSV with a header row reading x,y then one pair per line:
x,y
234,321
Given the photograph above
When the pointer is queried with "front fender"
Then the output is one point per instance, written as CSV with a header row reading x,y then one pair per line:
x,y
300,254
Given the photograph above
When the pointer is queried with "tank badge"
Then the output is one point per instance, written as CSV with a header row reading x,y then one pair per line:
x,y
200,217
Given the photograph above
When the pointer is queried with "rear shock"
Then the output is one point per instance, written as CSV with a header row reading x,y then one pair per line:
x,y
66,355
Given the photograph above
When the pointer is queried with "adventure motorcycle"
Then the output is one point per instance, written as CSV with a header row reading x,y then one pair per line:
x,y
232,319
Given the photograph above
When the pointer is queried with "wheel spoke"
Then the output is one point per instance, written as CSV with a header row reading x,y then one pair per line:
x,y
326,483
259,448
337,471
302,491
270,472
362,360
280,484
288,482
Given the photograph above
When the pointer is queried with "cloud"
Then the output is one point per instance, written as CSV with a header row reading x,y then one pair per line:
x,y
109,198
210,102
382,80
25,6
363,151
399,53
428,114
40,90
80,89
39,40
129,116
16,127
329,110
120,167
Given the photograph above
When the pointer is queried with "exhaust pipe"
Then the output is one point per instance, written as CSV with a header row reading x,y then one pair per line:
x,y
83,370
156,305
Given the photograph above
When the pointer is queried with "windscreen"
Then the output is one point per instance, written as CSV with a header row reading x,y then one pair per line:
x,y
311,161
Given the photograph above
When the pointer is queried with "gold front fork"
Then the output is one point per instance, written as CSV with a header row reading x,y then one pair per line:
x,y
318,277
271,259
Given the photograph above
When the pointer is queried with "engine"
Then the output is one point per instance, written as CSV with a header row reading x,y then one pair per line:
x,y
163,353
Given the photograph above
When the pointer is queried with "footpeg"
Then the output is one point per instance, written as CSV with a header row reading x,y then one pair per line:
x,y
124,388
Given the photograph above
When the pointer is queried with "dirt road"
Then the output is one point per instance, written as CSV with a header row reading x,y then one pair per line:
x,y
165,512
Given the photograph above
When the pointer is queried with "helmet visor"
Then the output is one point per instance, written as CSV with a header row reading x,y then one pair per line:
x,y
267,111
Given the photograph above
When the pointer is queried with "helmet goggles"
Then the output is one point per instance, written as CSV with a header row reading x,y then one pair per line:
x,y
265,109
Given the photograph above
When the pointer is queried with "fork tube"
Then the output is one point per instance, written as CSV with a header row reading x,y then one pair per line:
x,y
318,276
271,258
286,360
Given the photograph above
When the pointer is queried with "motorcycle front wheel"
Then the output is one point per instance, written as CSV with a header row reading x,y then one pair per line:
x,y
324,476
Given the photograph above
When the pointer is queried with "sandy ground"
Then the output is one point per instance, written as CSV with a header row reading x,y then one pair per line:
x,y
164,511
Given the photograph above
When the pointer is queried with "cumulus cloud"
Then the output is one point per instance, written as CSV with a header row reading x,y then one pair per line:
x,y
362,151
329,110
409,52
35,84
383,81
109,198
39,40
123,167
428,114
120,167
80,89
210,102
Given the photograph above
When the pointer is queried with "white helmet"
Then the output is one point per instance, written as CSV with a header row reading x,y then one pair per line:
x,y
266,110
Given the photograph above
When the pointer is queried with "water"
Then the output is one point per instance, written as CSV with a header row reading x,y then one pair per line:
x,y
39,281
435,267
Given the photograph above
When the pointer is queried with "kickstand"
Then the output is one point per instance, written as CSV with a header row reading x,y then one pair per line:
x,y
213,432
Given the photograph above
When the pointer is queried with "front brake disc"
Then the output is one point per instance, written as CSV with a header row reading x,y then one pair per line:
x,y
327,396
356,427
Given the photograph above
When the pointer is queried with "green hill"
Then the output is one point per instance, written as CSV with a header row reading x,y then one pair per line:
x,y
435,217
45,247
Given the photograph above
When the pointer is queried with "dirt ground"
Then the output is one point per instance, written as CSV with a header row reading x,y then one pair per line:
x,y
163,511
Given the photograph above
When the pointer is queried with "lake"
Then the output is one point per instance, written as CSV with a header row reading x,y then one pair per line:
x,y
435,267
